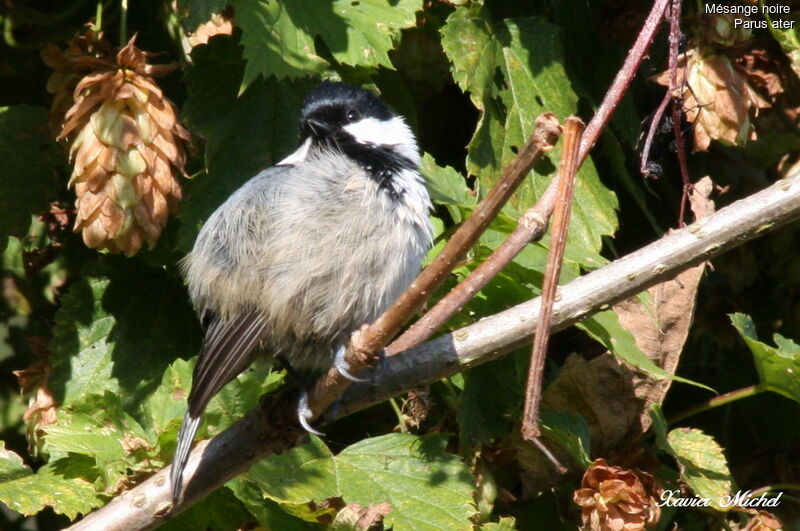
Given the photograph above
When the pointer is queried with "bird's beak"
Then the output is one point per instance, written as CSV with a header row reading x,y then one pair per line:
x,y
317,128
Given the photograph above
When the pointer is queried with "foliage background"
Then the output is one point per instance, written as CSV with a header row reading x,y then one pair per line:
x,y
470,77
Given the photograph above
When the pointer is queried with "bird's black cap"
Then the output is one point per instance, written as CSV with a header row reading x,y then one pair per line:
x,y
329,94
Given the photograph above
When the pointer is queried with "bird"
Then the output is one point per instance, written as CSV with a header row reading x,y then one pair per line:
x,y
308,250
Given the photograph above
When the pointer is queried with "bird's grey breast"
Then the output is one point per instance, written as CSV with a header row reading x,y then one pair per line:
x,y
317,243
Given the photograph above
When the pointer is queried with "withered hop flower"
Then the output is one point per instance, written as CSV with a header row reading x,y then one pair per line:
x,y
718,100
614,499
127,147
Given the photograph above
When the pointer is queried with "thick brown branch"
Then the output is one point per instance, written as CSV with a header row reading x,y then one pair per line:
x,y
271,428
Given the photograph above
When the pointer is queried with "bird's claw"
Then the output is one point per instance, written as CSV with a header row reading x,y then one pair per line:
x,y
304,415
343,367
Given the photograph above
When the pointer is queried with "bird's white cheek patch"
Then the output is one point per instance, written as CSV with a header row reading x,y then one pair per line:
x,y
387,133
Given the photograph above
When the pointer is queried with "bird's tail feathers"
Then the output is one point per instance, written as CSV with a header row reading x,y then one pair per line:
x,y
185,438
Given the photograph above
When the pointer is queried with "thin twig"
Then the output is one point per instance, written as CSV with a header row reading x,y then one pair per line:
x,y
623,78
573,128
369,341
677,108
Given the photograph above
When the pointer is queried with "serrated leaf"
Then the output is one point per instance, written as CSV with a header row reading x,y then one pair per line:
x,y
570,431
219,511
279,36
505,524
778,368
119,327
163,411
527,52
484,414
168,401
447,187
28,493
604,327
702,465
240,396
427,488
243,135
11,465
274,43
268,512
789,39
29,176
195,12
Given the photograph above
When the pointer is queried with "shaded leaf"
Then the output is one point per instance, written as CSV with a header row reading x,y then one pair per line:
x,y
29,176
28,493
533,83
119,327
778,368
570,431
219,511
279,36
243,135
702,464
505,524
268,512
426,487
196,12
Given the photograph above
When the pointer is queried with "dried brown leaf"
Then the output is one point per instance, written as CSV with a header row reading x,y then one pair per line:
x,y
661,327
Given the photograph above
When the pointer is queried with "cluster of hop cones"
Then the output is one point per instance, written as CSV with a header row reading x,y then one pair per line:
x,y
124,139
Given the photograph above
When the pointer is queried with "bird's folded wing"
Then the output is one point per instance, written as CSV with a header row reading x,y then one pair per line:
x,y
227,351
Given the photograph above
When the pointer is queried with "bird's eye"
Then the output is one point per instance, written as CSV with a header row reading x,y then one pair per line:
x,y
352,115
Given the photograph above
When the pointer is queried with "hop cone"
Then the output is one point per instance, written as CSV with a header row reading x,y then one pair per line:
x,y
718,102
612,498
84,54
127,147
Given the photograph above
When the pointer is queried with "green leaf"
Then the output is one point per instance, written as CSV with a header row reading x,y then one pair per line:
x,y
447,187
219,511
29,176
274,43
269,513
778,368
240,396
789,39
118,329
604,328
427,488
113,442
195,12
527,52
279,36
484,414
505,524
168,402
28,493
570,431
702,465
243,135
